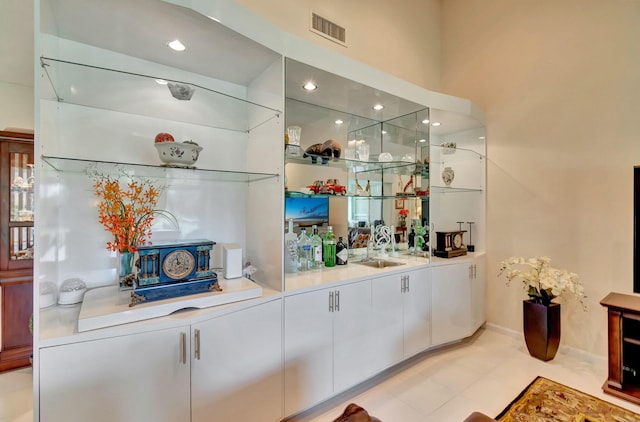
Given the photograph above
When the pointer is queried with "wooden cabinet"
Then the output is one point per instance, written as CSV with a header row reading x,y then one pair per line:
x,y
236,371
16,248
138,377
623,313
327,343
401,315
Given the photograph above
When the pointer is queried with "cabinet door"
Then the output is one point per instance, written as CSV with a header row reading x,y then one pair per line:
x,y
478,287
451,303
352,345
141,377
308,350
238,372
387,320
417,312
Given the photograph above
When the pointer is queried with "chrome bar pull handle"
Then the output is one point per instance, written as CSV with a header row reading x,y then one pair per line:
x,y
196,341
330,301
183,348
337,301
408,283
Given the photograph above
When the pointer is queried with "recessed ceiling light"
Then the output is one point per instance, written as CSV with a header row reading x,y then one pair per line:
x,y
161,81
176,45
425,121
310,86
384,132
339,122
378,107
422,140
435,124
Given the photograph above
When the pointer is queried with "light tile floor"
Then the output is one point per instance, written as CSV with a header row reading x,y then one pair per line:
x,y
16,396
484,373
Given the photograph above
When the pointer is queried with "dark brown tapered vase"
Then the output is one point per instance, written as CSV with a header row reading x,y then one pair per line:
x,y
541,329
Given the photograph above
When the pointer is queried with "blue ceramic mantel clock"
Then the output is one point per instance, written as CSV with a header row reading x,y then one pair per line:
x,y
172,269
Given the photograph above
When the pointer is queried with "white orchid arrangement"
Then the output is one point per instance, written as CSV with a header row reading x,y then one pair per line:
x,y
542,282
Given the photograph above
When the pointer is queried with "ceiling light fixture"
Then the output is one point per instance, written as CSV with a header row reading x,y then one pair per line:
x,y
176,45
425,121
422,140
161,81
378,107
435,124
481,137
339,122
309,86
384,132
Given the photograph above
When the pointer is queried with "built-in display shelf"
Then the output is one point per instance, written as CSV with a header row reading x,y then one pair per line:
x,y
75,165
150,96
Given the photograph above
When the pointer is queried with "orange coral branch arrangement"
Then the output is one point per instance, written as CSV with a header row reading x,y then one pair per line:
x,y
127,213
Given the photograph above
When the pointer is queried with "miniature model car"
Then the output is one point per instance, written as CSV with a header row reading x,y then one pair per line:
x,y
333,187
317,186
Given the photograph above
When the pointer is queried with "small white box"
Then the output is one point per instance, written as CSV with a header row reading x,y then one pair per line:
x,y
232,261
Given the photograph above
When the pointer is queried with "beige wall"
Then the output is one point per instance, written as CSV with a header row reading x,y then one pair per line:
x,y
16,107
560,84
399,38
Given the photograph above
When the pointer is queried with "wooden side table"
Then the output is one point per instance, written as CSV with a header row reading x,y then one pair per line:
x,y
624,346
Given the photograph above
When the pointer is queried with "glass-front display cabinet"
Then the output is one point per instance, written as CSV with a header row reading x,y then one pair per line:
x,y
16,247
356,158
458,169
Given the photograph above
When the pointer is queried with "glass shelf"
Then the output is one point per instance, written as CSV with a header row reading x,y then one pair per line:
x,y
74,165
357,166
294,194
138,94
447,189
448,154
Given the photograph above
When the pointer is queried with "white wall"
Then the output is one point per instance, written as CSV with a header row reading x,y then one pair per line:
x,y
558,81
399,38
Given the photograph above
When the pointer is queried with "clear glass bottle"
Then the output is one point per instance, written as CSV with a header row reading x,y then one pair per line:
x,y
342,252
290,250
329,248
304,251
316,249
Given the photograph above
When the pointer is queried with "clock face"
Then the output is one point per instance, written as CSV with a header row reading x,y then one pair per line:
x,y
457,240
178,264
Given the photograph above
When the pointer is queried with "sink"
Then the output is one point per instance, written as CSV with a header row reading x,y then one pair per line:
x,y
380,263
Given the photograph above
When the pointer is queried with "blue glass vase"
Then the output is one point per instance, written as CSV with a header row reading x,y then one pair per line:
x,y
126,273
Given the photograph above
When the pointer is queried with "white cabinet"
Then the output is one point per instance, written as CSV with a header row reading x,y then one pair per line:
x,y
139,377
417,312
451,302
478,288
401,315
224,368
327,343
236,366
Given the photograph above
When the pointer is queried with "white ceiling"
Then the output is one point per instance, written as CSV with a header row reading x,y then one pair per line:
x,y
142,28
16,42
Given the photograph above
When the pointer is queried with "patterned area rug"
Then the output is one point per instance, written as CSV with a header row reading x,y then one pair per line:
x,y
546,400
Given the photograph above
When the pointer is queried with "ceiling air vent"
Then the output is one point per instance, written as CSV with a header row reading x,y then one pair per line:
x,y
331,30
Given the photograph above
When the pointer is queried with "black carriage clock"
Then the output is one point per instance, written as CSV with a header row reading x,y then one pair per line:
x,y
450,244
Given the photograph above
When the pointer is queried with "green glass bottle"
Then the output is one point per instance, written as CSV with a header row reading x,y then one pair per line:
x,y
329,248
